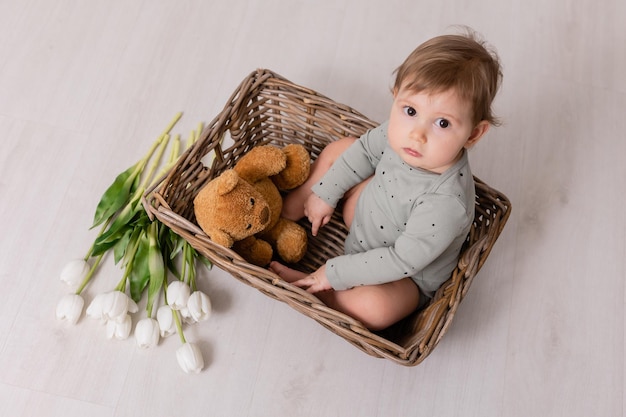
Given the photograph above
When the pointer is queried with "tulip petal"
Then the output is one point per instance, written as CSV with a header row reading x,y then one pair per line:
x,y
199,306
119,330
190,358
167,325
178,293
147,333
70,308
74,272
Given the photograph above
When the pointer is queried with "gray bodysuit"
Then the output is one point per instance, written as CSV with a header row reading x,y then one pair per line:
x,y
408,222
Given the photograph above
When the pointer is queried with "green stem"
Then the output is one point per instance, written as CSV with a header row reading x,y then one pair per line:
x,y
144,161
164,137
148,178
89,274
130,257
183,272
100,233
191,267
179,326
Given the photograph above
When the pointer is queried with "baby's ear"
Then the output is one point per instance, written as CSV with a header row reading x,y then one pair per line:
x,y
477,133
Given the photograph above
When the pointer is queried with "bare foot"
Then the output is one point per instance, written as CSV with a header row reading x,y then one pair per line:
x,y
286,273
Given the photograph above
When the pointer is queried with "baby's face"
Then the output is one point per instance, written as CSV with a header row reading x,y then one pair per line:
x,y
429,130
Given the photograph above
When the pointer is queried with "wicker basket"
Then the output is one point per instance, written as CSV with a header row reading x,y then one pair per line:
x,y
268,109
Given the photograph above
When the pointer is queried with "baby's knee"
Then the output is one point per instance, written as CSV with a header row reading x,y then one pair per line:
x,y
375,312
332,151
380,306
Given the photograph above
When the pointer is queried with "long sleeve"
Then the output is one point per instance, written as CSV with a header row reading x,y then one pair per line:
x,y
355,165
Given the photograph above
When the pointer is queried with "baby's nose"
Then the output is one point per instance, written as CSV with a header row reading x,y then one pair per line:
x,y
418,135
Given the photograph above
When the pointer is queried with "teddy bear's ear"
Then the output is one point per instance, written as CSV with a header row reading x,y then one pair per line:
x,y
226,182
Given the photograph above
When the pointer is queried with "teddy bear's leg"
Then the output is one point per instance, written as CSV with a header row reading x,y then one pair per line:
x,y
255,251
298,166
289,239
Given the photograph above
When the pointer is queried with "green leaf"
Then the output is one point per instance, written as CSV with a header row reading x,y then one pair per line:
x,y
155,266
140,273
125,216
120,247
116,196
104,243
177,244
171,246
204,260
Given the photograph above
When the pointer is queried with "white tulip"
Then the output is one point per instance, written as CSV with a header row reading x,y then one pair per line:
x,y
167,325
95,309
69,308
199,306
114,305
185,315
119,329
147,333
178,293
117,305
74,272
190,358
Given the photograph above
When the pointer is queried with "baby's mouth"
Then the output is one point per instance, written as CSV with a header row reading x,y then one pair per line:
x,y
412,152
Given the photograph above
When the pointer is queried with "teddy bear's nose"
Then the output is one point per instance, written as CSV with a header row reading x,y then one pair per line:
x,y
264,216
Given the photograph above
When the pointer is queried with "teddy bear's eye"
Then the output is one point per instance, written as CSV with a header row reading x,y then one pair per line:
x,y
252,201
248,227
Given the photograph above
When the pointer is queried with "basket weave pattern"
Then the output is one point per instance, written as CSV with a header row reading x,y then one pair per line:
x,y
268,109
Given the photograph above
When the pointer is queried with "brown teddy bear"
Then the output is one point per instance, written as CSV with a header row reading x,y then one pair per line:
x,y
241,207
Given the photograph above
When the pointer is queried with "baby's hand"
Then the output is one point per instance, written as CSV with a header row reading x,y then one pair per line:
x,y
315,282
318,212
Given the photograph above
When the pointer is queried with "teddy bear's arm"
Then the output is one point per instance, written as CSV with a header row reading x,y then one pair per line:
x,y
220,237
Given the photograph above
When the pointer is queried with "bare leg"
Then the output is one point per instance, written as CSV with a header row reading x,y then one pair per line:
x,y
293,203
286,273
376,306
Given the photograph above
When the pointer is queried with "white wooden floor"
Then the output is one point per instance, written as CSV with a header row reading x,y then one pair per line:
x,y
86,86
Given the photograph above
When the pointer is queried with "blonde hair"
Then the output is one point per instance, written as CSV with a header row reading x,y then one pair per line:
x,y
460,62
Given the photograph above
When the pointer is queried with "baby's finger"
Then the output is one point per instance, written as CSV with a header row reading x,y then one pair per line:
x,y
325,220
303,283
315,227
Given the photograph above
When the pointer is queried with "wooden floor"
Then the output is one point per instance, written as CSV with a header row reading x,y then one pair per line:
x,y
86,86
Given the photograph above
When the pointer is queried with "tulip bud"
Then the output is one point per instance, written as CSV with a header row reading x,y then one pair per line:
x,y
119,329
74,272
167,325
95,309
69,308
147,333
199,306
190,358
186,316
178,293
114,305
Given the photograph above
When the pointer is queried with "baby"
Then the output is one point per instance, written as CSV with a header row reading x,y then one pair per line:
x,y
405,188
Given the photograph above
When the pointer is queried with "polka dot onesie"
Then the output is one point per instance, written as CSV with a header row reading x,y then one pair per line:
x,y
408,222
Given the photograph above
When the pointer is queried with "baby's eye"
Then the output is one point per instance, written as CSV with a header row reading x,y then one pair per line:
x,y
442,123
409,111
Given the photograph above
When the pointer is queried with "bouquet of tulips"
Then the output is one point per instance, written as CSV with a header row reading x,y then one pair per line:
x,y
149,254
